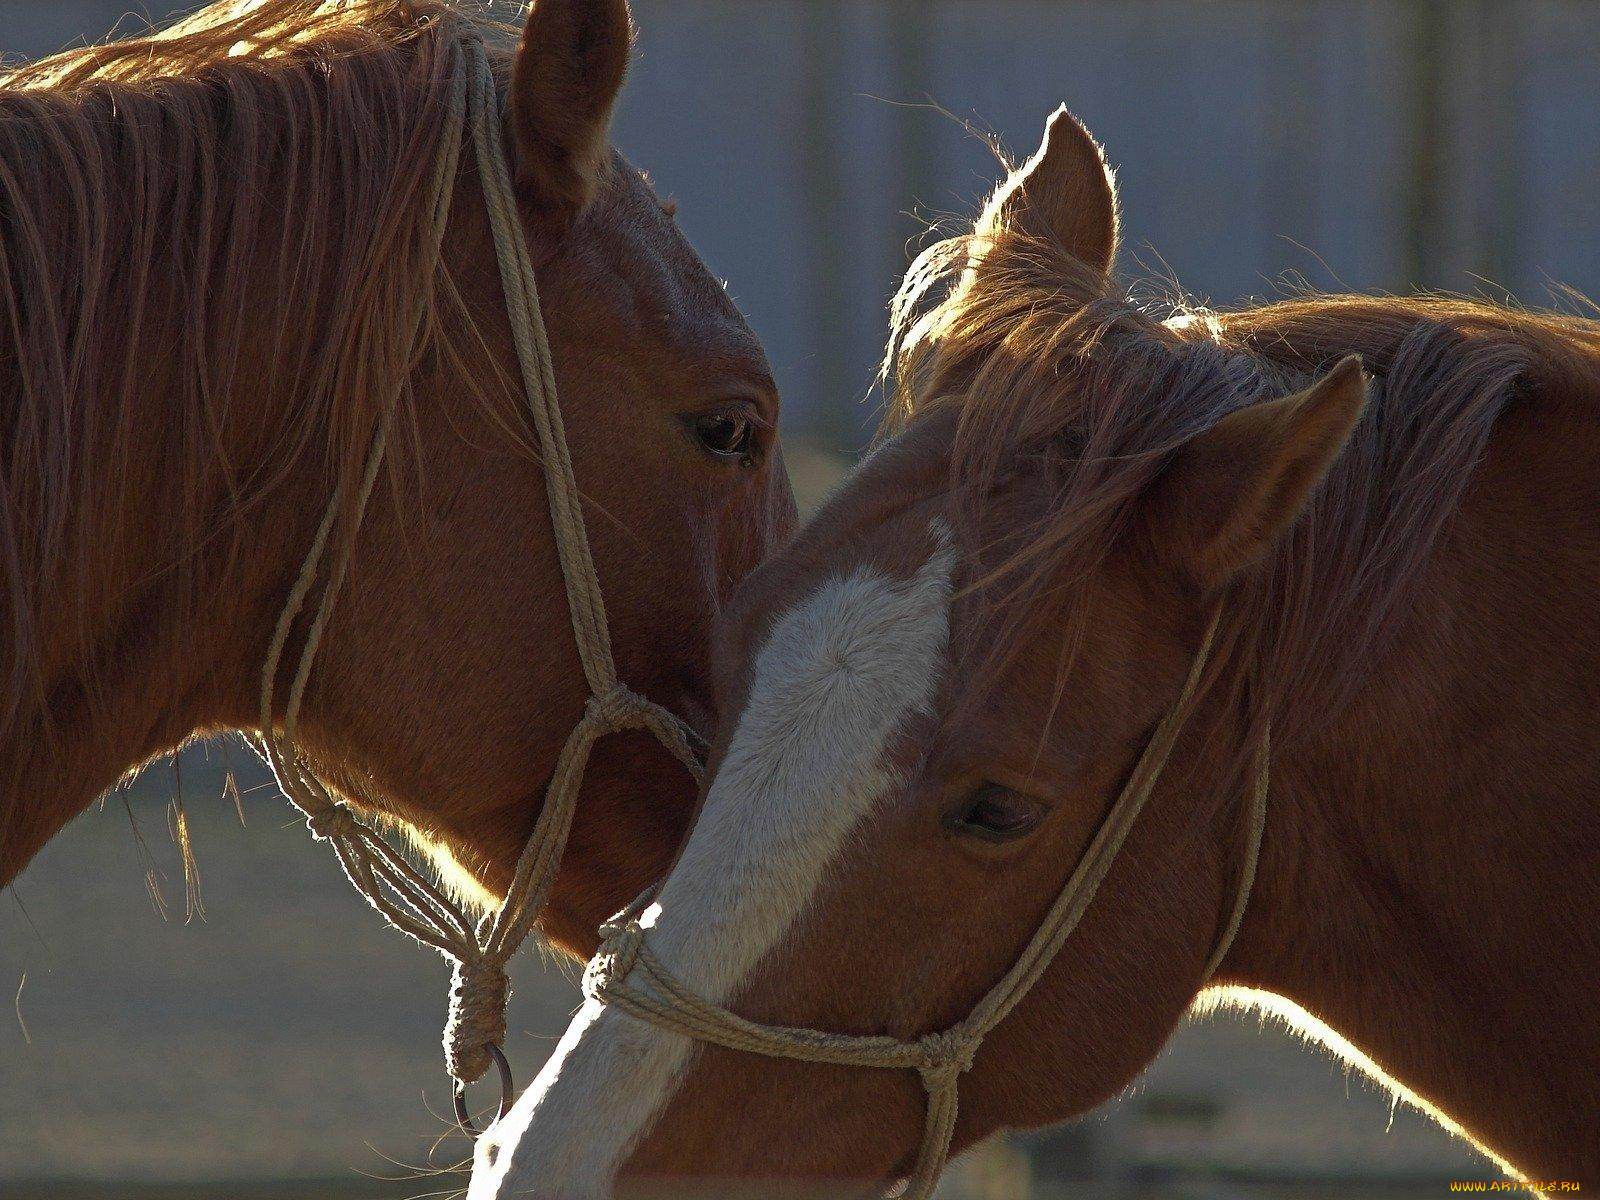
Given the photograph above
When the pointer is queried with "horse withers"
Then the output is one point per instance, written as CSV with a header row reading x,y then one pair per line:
x,y
1368,584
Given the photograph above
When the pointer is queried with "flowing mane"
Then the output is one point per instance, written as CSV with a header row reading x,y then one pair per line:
x,y
1089,393
235,200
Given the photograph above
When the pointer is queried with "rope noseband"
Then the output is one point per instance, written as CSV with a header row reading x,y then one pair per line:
x,y
403,895
625,962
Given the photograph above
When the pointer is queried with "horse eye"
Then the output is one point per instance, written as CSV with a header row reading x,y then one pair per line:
x,y
996,814
727,436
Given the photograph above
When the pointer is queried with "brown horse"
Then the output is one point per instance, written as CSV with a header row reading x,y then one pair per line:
x,y
932,696
214,247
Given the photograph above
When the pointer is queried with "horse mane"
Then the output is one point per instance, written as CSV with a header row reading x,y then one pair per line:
x,y
1065,384
170,209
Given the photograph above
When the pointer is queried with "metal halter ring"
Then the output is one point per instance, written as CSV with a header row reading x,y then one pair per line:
x,y
507,1093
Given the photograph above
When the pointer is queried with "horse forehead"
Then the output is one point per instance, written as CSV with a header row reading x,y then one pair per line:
x,y
836,672
663,285
855,608
889,516
841,592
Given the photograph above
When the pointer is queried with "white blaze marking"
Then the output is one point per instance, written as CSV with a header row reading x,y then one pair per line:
x,y
837,676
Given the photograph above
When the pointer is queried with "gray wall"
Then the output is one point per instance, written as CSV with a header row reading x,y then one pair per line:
x,y
1364,144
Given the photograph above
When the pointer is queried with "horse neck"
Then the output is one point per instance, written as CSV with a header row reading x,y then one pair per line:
x,y
1417,891
183,402
157,635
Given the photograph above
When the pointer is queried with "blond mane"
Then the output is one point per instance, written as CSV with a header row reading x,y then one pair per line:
x,y
1061,378
189,219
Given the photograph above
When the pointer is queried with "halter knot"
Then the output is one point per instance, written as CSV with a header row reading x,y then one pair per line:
x,y
614,961
331,823
618,707
945,1057
479,990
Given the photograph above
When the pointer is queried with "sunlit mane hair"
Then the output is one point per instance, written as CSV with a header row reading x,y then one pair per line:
x,y
1061,381
244,192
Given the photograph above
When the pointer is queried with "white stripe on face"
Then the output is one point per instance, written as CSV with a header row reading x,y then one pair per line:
x,y
838,674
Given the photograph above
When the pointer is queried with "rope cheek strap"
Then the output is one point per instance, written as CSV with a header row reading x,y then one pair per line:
x,y
403,895
625,961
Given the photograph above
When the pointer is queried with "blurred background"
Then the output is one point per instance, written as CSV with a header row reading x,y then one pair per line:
x,y
269,1038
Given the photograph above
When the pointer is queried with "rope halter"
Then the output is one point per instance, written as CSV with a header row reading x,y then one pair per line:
x,y
406,897
625,961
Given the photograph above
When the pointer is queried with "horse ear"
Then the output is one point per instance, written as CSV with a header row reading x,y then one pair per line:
x,y
1231,492
1065,194
568,71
